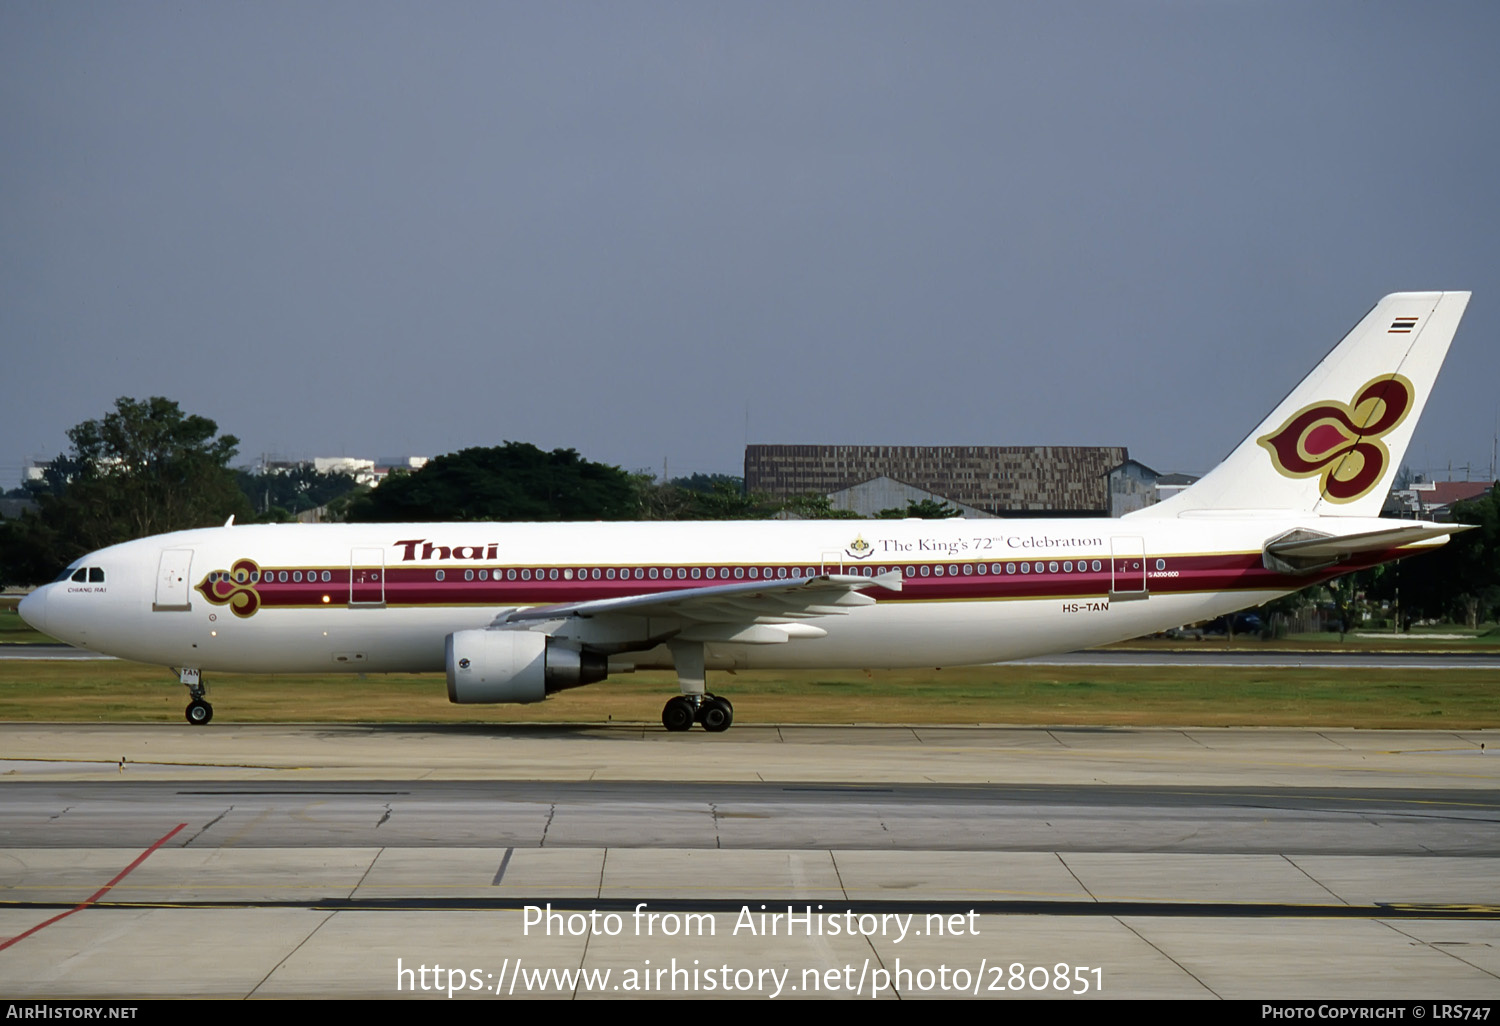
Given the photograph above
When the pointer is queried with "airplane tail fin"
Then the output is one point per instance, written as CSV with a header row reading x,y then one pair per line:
x,y
1334,443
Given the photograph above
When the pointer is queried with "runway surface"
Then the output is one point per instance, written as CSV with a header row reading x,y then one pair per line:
x,y
1451,660
933,861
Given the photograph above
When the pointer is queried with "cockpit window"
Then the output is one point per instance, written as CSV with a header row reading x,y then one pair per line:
x,y
81,575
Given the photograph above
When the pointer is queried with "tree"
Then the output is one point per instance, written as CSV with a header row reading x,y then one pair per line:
x,y
1462,579
145,468
701,497
813,506
728,500
710,483
514,481
293,491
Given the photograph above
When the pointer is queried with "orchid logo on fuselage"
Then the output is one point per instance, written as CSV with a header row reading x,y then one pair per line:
x,y
1342,441
234,587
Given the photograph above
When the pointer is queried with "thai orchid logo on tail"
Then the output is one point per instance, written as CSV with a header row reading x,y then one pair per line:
x,y
1341,441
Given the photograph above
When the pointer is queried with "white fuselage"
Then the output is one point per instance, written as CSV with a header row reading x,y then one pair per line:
x,y
383,597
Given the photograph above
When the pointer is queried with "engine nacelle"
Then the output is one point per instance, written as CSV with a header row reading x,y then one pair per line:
x,y
516,666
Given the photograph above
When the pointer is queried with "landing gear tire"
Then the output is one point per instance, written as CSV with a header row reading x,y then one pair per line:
x,y
678,714
716,714
199,712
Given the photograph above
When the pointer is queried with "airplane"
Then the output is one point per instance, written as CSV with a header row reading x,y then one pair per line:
x,y
515,612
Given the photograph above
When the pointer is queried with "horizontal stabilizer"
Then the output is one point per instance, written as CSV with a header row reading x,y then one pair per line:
x,y
1304,551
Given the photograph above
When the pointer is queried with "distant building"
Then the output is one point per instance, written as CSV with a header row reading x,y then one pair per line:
x,y
1133,486
1034,481
366,472
1168,485
1432,500
885,493
362,471
407,463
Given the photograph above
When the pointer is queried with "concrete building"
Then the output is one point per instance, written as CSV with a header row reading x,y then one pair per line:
x,y
1168,485
1033,481
1133,486
885,493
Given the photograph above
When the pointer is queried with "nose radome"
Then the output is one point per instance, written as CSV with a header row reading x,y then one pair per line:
x,y
33,609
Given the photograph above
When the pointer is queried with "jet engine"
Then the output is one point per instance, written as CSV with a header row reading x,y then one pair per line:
x,y
516,666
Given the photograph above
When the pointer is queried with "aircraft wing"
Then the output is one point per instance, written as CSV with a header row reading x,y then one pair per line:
x,y
748,602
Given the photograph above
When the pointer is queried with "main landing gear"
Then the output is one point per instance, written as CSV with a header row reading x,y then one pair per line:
x,y
199,712
715,713
694,705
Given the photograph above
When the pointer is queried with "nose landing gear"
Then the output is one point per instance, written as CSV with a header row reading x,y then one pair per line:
x,y
199,712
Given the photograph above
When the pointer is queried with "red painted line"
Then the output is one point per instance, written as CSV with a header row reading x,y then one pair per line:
x,y
101,892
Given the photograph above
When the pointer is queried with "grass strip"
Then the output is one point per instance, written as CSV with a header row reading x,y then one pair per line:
x,y
123,692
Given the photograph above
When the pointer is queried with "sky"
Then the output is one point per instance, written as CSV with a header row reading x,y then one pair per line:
x,y
653,232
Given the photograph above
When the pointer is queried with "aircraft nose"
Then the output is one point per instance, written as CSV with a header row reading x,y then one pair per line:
x,y
33,609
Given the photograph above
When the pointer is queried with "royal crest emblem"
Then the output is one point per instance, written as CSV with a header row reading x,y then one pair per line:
x,y
1342,441
859,548
234,587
